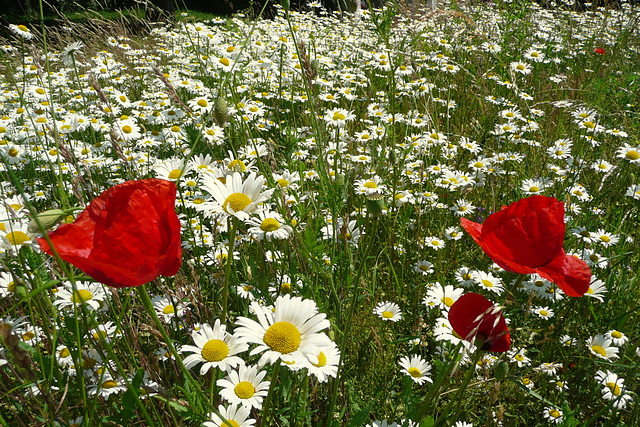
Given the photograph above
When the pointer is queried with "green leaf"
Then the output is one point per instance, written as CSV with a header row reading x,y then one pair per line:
x,y
359,418
427,422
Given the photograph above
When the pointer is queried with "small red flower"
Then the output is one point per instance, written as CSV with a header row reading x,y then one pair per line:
x,y
127,236
476,319
527,237
599,50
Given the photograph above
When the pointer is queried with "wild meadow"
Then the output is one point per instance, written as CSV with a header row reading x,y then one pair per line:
x,y
390,217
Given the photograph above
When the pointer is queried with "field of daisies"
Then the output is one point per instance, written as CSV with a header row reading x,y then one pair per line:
x,y
382,218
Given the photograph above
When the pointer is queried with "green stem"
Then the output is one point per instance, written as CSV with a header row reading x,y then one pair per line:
x,y
148,305
266,408
446,372
227,270
352,309
457,399
517,284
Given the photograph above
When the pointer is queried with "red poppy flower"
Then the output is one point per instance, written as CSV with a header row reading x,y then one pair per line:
x,y
599,50
527,237
476,319
127,236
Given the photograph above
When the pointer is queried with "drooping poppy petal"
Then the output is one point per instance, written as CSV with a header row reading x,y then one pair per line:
x,y
571,274
127,236
527,237
476,319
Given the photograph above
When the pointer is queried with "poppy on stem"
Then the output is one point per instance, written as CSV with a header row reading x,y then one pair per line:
x,y
127,236
475,319
527,237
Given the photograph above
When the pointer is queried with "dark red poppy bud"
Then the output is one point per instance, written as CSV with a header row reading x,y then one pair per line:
x,y
477,320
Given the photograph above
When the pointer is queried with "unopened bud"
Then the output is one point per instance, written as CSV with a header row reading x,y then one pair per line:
x,y
47,219
501,371
375,204
221,111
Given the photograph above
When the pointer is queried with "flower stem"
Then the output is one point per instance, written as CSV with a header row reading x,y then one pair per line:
x,y
148,305
266,408
457,399
227,270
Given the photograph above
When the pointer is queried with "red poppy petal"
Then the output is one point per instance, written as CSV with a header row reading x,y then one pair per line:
x,y
127,236
571,274
528,233
496,251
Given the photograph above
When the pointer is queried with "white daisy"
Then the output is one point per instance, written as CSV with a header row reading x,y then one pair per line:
x,y
235,415
92,295
269,226
417,368
290,332
235,197
244,387
388,311
601,347
215,347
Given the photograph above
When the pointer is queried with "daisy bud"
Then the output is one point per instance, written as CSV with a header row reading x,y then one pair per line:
x,y
286,4
47,220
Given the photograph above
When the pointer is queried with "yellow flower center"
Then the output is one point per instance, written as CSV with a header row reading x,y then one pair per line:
x,y
269,224
633,155
127,129
203,103
415,372
554,413
99,335
285,288
283,337
81,295
175,174
28,336
225,62
615,388
236,202
448,301
13,152
322,360
519,357
109,384
616,334
599,350
23,28
237,166
370,184
17,238
244,390
64,353
387,314
486,283
169,309
338,116
214,350
544,312
534,189
605,239
283,182
11,287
